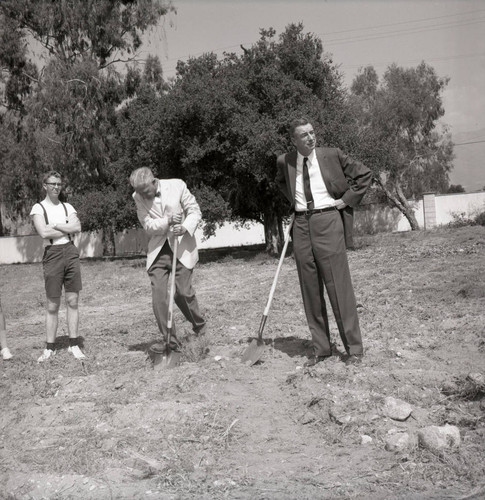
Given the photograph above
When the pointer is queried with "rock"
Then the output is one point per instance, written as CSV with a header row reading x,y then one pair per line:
x,y
449,387
307,418
477,379
364,439
338,418
400,441
397,409
437,439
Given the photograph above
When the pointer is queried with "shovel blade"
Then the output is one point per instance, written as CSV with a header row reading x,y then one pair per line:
x,y
166,361
253,352
164,357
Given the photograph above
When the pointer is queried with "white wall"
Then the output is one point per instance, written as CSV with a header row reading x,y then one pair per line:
x,y
447,205
379,218
469,204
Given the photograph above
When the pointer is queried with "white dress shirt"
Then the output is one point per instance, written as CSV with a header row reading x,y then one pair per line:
x,y
321,197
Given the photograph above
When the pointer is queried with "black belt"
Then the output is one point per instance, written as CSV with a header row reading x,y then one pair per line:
x,y
315,211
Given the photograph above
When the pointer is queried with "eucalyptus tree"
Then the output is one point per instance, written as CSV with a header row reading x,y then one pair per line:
x,y
400,136
62,77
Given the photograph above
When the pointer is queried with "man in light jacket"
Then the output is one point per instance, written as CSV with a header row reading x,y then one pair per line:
x,y
167,210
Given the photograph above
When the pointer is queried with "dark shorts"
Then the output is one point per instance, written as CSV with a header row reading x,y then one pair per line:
x,y
61,267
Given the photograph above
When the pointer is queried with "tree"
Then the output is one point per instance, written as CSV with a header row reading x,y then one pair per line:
x,y
66,113
222,123
92,29
456,188
397,121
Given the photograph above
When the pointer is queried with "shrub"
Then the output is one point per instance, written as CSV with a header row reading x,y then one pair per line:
x,y
480,219
461,219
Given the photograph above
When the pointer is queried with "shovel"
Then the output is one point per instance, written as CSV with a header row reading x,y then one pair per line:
x,y
167,358
255,350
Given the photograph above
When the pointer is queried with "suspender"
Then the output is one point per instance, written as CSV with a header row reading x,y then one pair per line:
x,y
46,218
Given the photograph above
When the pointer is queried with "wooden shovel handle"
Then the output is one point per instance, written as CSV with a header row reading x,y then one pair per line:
x,y
275,280
172,287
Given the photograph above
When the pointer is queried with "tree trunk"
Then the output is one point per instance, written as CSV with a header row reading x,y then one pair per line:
x,y
398,200
281,235
109,247
272,233
1,225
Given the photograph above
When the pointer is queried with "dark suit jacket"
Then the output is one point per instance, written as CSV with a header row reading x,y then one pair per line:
x,y
344,178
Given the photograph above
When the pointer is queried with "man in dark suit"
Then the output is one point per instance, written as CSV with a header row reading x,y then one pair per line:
x,y
323,185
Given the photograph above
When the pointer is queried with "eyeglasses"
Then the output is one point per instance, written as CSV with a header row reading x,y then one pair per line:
x,y
54,184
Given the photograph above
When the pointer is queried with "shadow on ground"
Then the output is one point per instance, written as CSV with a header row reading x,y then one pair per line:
x,y
291,346
295,346
145,347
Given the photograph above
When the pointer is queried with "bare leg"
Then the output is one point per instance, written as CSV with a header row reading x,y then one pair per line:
x,y
6,354
3,328
51,318
72,301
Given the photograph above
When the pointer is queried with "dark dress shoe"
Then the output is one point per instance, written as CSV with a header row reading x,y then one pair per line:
x,y
354,359
315,359
161,347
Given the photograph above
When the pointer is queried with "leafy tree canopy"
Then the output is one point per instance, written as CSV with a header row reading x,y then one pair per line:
x,y
397,119
64,116
456,188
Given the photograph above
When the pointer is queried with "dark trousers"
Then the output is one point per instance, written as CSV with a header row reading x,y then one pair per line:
x,y
321,258
185,298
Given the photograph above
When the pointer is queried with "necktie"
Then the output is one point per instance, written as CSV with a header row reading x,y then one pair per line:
x,y
306,185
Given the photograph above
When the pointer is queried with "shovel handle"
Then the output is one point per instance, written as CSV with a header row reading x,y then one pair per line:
x,y
280,263
172,287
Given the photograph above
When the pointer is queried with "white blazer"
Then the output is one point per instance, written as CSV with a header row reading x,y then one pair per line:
x,y
154,214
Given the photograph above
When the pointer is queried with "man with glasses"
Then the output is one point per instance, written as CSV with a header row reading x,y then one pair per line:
x,y
56,222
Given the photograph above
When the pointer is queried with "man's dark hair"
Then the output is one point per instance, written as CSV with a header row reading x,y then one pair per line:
x,y
297,122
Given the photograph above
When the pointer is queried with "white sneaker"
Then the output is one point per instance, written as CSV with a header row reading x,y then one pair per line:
x,y
6,354
76,352
45,355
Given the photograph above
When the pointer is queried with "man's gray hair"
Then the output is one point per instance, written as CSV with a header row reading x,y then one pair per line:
x,y
141,177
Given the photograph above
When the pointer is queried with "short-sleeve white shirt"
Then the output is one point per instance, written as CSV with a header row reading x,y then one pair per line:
x,y
56,215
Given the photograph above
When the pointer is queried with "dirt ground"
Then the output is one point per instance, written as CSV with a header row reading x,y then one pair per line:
x,y
213,428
